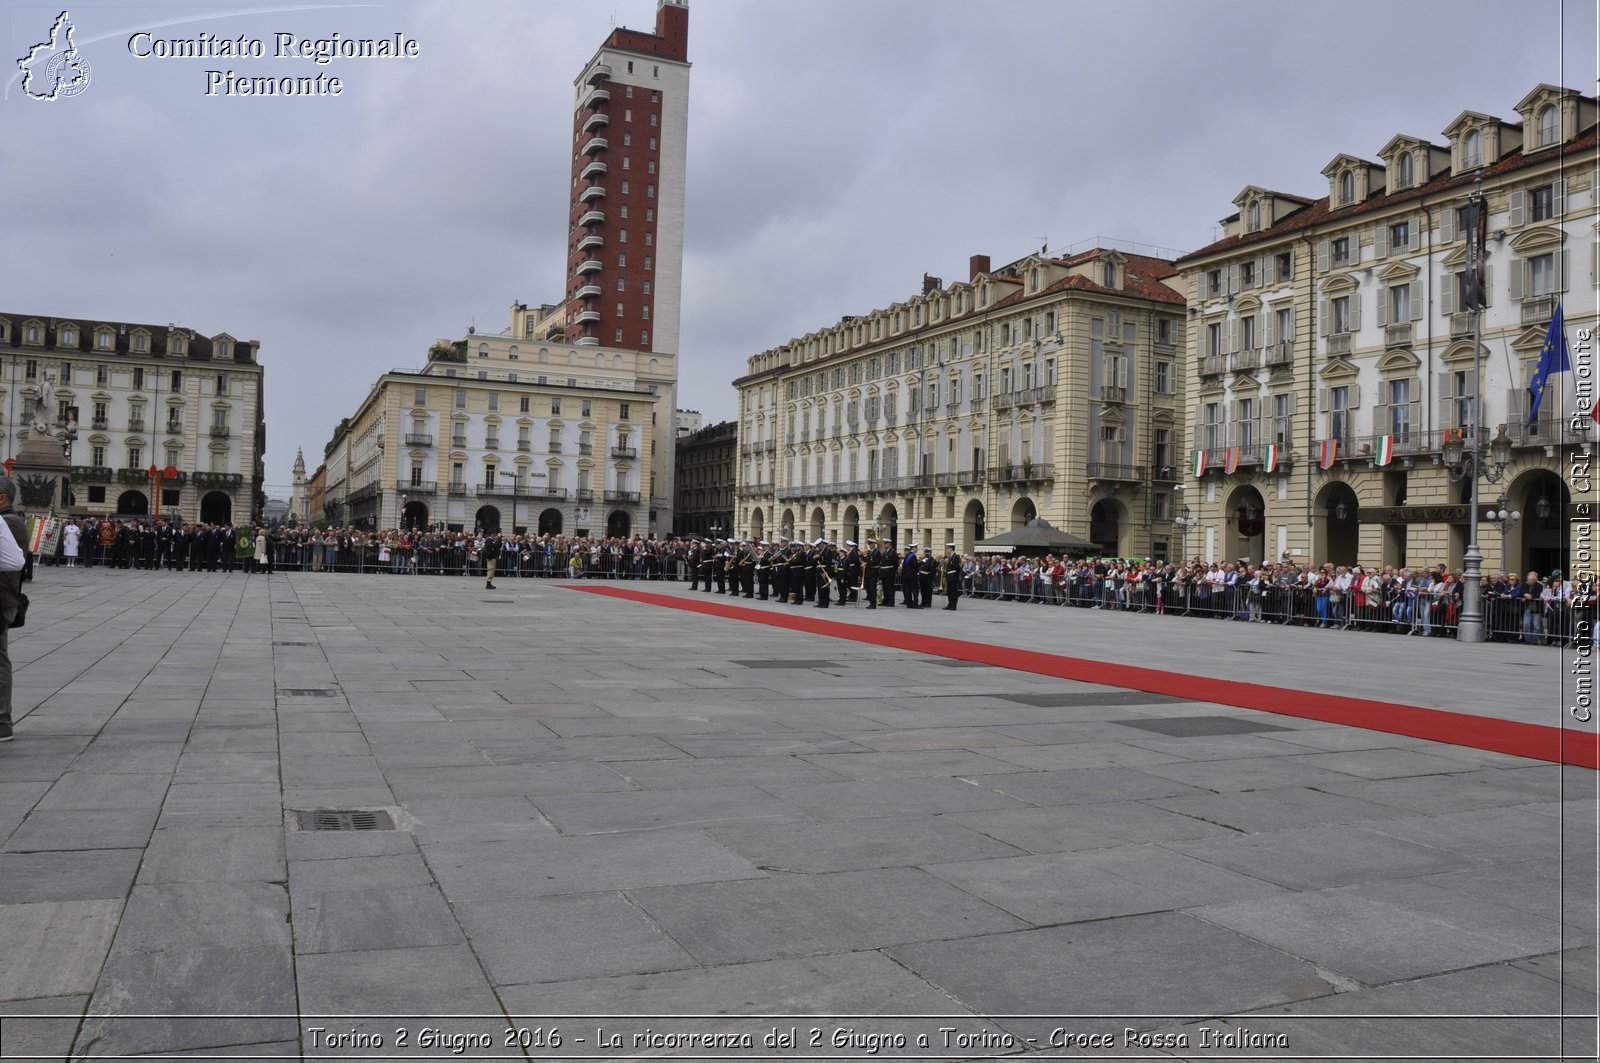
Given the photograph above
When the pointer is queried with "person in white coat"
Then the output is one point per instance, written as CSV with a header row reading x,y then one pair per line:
x,y
69,545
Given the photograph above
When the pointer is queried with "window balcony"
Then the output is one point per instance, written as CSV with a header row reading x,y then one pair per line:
x,y
419,439
626,453
1278,354
588,341
1045,393
98,424
554,447
1339,343
588,265
592,193
594,145
458,487
1002,401
594,99
458,441
1113,472
627,497
589,291
585,448
951,409
584,494
598,120
524,446
1212,364
1247,361
491,443
1397,335
600,72
587,317
416,487
135,425
1538,309
1025,473
551,494
499,489
591,217
1460,325
218,431
593,240
593,169
1112,393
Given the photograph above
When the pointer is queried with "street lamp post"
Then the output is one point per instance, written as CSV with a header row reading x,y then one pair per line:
x,y
1465,464
1183,520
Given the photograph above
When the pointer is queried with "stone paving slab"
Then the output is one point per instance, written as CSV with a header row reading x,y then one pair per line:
x,y
598,811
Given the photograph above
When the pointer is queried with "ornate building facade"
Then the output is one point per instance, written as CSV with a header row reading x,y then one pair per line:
x,y
1331,360
146,396
498,433
1050,387
704,482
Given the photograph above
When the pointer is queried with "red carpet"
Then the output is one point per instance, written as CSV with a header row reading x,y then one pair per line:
x,y
1536,741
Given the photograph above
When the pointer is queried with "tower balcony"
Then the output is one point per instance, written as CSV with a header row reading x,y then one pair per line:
x,y
589,265
588,341
589,291
595,168
587,317
593,240
595,98
595,144
598,120
600,72
591,193
592,217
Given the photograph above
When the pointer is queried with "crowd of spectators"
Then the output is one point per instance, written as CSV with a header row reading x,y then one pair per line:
x,y
1418,601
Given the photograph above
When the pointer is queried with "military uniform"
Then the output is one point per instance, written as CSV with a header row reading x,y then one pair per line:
x,y
952,576
927,575
909,570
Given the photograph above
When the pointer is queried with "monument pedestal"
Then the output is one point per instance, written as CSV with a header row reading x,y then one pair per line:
x,y
42,476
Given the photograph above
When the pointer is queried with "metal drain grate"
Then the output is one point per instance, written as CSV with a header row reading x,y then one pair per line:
x,y
294,643
355,819
307,692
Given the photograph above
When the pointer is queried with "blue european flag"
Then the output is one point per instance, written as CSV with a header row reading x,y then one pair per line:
x,y
1553,358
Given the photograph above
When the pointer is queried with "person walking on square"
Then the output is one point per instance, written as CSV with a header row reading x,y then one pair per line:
x,y
491,557
11,561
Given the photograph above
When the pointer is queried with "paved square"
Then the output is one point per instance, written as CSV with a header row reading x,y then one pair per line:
x,y
606,807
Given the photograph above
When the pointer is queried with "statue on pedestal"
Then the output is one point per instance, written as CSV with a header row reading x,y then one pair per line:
x,y
44,408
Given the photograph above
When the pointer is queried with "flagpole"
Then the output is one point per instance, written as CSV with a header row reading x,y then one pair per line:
x,y
1470,627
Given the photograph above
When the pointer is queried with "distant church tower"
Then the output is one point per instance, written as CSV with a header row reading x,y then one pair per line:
x,y
299,500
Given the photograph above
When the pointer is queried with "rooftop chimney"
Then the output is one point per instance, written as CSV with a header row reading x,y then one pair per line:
x,y
931,284
978,264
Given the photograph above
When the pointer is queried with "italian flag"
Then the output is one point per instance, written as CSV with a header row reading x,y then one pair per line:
x,y
1199,464
1271,463
1385,449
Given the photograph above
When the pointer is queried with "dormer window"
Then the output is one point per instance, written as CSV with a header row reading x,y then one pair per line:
x,y
69,337
224,349
102,339
1255,217
1347,188
1109,275
176,344
1472,149
141,342
1033,280
1404,173
1548,124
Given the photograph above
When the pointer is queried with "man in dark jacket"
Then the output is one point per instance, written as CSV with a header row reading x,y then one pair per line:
x,y
491,556
12,557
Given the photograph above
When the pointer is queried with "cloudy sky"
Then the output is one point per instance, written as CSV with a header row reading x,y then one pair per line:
x,y
838,150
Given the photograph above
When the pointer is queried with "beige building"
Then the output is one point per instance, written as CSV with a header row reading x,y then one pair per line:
x,y
1328,337
145,395
1050,387
502,432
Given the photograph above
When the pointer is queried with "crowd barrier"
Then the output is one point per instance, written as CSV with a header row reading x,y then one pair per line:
x,y
1407,612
